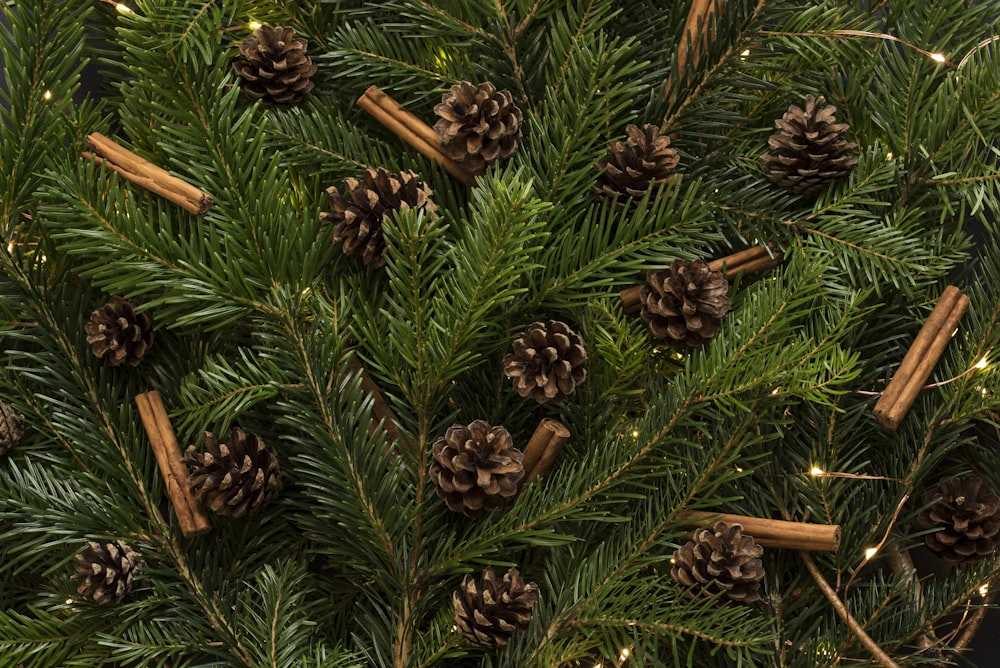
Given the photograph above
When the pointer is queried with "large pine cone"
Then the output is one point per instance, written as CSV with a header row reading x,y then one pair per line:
x,y
119,334
358,214
722,559
808,152
11,427
475,467
234,479
547,362
967,517
105,571
488,613
644,159
685,304
479,124
274,67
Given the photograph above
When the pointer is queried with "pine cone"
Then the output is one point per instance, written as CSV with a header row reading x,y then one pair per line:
x,y
105,571
723,559
358,214
234,479
547,362
478,125
475,467
967,517
808,152
11,427
274,66
685,304
644,159
118,333
487,614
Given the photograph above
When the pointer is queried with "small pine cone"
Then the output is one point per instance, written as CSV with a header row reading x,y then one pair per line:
x,y
119,334
685,304
358,214
808,152
723,559
475,467
478,124
234,479
105,571
11,427
488,613
274,67
644,159
967,517
547,362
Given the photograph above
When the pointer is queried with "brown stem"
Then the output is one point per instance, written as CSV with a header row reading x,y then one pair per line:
x,y
972,628
845,615
902,566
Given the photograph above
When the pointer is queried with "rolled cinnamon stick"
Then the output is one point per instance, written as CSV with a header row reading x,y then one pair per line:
x,y
749,261
190,516
542,448
140,171
380,408
411,130
772,533
697,34
921,358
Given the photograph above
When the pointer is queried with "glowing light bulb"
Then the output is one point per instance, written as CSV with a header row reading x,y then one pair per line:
x,y
739,470
816,471
985,589
981,364
254,25
124,9
672,560
888,156
623,655
938,57
635,433
47,95
68,601
745,52
870,552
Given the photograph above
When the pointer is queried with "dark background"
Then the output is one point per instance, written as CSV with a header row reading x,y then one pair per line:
x,y
985,650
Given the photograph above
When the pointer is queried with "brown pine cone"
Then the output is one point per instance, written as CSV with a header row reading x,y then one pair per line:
x,y
644,159
274,67
11,427
105,571
547,363
722,559
809,153
967,517
475,467
488,613
119,334
685,304
358,214
479,124
234,479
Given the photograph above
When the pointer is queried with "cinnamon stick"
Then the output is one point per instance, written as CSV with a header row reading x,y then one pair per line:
x,y
380,407
191,518
772,533
749,261
144,173
542,448
921,358
411,130
701,15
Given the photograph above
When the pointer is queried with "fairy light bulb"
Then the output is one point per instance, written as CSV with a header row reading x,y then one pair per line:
x,y
870,552
816,471
123,8
938,57
47,95
981,364
254,25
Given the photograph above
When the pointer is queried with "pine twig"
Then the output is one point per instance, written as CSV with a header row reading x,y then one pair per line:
x,y
845,614
972,628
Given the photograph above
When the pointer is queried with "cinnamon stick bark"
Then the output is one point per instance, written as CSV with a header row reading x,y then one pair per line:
x,y
697,34
921,358
380,407
749,261
772,533
411,130
542,448
190,516
140,171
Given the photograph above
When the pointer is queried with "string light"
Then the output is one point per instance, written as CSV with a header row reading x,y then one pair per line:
x,y
985,589
938,57
635,433
888,156
47,95
69,601
623,654
816,471
870,552
255,25
981,364
124,9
